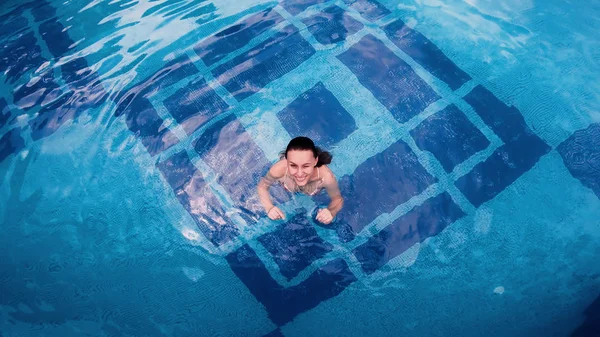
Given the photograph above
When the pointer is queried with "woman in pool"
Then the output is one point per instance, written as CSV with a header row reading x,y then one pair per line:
x,y
302,168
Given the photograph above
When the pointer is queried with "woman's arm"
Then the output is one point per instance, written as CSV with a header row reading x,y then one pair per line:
x,y
275,172
333,190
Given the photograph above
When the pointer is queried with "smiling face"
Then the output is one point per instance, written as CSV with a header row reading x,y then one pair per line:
x,y
301,165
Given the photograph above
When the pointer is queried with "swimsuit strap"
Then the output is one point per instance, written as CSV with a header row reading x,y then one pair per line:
x,y
317,183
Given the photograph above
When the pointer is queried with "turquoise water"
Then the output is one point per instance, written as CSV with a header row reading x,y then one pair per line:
x,y
97,239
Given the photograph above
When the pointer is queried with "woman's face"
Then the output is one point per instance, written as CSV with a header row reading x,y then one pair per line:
x,y
301,165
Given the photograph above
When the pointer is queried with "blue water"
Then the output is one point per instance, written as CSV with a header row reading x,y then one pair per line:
x,y
466,143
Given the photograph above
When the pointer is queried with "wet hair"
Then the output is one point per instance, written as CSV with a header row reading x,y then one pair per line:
x,y
306,144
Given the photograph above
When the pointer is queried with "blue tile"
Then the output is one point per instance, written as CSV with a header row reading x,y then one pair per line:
x,y
4,112
19,56
76,72
43,90
283,304
197,198
275,333
84,94
229,150
52,116
172,72
57,39
420,223
10,26
249,72
377,186
369,9
507,122
581,155
510,161
426,54
85,82
450,136
294,7
591,326
10,143
332,25
143,120
42,10
14,14
218,46
295,245
305,117
391,80
194,105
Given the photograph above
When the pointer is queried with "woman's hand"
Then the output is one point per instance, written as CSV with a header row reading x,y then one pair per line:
x,y
324,216
275,213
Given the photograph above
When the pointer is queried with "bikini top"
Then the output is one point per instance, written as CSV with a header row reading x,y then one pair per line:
x,y
311,188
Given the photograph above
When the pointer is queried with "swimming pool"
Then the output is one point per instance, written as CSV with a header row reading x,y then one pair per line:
x,y
465,136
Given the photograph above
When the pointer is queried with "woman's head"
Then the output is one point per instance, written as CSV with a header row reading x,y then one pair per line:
x,y
302,157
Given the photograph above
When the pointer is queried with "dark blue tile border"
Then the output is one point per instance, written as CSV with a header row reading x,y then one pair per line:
x,y
509,162
11,143
591,326
506,121
581,156
420,223
283,304
295,7
306,116
369,9
521,151
194,105
218,46
386,180
295,245
426,54
391,80
239,163
449,136
332,25
197,198
251,71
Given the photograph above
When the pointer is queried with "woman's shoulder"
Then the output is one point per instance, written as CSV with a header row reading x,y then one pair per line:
x,y
278,169
327,174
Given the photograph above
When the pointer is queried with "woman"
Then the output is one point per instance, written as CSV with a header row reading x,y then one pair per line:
x,y
302,168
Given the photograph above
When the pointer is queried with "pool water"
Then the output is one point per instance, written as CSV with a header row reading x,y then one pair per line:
x,y
465,138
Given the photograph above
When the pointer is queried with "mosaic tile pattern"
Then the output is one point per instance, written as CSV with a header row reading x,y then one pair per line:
x,y
195,104
391,80
282,303
11,142
224,161
215,48
427,54
295,245
450,136
581,155
332,25
197,198
251,71
384,181
521,151
305,117
369,9
418,224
